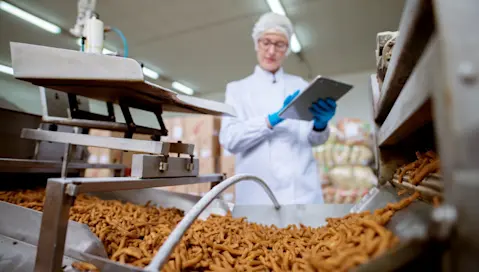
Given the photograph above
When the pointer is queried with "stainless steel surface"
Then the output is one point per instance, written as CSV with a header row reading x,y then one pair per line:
x,y
87,185
60,196
411,222
396,258
23,224
53,229
15,165
415,28
457,97
166,199
105,78
95,141
147,166
18,256
411,109
152,147
10,131
107,265
313,215
66,159
12,124
84,123
444,220
175,236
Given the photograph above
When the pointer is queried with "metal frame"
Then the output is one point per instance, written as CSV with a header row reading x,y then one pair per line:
x,y
152,147
455,99
451,80
85,119
60,196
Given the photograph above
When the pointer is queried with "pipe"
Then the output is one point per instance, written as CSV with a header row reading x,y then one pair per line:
x,y
174,238
123,39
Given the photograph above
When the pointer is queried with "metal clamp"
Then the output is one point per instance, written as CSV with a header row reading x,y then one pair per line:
x,y
163,166
190,166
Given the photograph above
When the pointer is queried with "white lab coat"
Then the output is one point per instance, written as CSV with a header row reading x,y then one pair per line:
x,y
282,156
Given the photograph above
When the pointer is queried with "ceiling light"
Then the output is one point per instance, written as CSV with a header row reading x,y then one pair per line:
x,y
182,88
150,73
6,69
295,45
29,17
276,7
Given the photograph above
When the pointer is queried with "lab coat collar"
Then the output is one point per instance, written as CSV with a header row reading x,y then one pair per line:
x,y
276,77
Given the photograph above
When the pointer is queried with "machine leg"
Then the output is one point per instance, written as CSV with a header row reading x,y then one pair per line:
x,y
66,156
129,120
53,230
164,131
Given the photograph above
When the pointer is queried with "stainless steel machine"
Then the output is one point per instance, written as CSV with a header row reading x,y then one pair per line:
x,y
426,101
30,158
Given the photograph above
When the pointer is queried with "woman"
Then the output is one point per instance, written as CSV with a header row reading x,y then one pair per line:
x,y
276,150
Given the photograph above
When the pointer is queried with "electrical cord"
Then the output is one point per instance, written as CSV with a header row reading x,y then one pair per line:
x,y
123,39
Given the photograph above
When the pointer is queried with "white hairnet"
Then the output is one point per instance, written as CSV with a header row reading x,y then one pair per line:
x,y
272,22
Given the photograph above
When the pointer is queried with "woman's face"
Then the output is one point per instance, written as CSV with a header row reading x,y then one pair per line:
x,y
271,51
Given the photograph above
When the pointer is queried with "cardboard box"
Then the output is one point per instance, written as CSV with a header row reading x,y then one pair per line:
x,y
203,131
175,127
128,155
227,166
102,155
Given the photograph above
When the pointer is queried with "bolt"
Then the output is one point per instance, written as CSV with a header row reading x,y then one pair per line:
x,y
467,73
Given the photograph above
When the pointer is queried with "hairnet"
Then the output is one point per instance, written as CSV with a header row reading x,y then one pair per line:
x,y
272,22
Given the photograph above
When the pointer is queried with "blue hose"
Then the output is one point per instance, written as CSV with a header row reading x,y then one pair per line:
x,y
123,39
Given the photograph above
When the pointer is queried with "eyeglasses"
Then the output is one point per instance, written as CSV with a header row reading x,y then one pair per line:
x,y
265,44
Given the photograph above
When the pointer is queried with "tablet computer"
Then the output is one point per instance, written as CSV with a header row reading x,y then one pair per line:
x,y
320,87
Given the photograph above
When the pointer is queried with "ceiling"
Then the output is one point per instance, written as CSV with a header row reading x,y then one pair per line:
x,y
205,44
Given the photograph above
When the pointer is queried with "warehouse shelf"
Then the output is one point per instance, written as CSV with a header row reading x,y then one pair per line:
x,y
412,109
415,29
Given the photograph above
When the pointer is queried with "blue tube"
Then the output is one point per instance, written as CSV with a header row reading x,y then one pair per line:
x,y
123,39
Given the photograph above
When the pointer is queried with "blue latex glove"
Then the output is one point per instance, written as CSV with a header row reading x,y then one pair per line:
x,y
323,111
274,118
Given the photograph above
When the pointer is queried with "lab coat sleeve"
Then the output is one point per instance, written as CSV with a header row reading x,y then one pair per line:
x,y
318,138
238,134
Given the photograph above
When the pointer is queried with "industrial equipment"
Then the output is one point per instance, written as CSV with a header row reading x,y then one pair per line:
x,y
426,102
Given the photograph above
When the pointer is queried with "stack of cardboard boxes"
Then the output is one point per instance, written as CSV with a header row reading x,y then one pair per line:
x,y
200,130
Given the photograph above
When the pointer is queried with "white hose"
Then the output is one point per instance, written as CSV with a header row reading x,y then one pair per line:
x,y
174,238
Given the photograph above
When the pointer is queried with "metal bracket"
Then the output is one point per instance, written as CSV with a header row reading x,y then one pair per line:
x,y
163,165
77,113
191,165
128,119
163,130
